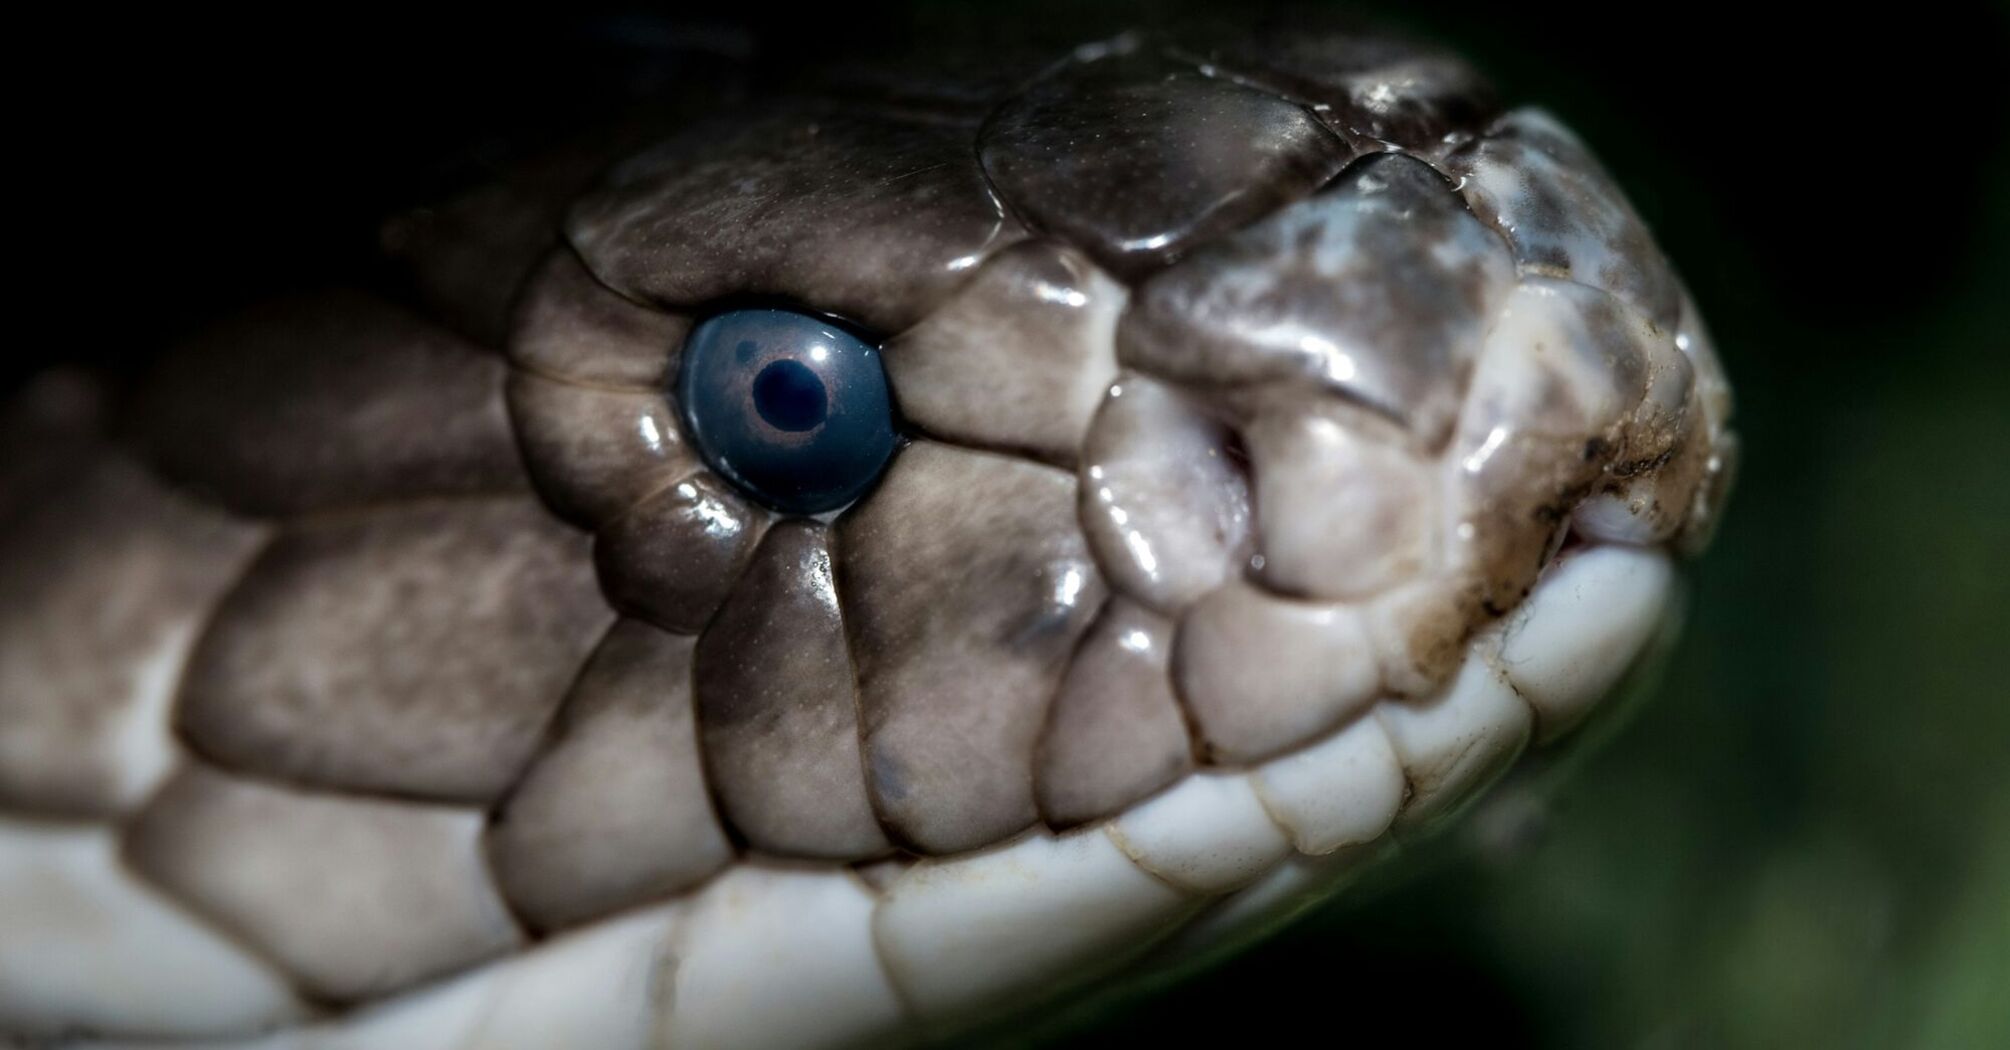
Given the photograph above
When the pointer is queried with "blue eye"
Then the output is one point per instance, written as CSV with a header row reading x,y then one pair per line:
x,y
791,408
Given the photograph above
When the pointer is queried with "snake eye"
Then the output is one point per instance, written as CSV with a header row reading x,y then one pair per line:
x,y
791,408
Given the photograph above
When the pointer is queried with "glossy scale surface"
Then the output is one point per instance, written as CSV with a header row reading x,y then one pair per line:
x,y
1292,438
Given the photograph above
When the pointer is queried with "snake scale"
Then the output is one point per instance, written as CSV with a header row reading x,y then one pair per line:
x,y
886,556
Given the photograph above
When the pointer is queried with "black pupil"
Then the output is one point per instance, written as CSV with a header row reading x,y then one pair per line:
x,y
790,396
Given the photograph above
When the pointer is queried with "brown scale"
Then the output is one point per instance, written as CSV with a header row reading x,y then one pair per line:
x,y
1214,154
333,399
415,650
778,706
615,811
965,583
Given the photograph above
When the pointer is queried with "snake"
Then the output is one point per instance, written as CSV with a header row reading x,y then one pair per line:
x,y
856,565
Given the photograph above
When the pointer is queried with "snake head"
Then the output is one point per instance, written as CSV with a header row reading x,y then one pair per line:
x,y
930,538
1241,386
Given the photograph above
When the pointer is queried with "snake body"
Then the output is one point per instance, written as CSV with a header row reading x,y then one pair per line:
x,y
1293,437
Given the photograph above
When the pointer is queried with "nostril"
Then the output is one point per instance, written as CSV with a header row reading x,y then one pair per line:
x,y
1234,457
1165,494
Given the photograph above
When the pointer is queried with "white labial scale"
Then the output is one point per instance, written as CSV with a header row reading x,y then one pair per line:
x,y
1207,834
1455,743
772,957
1588,618
440,1016
1163,504
985,930
358,898
597,987
1342,791
82,943
1283,893
600,987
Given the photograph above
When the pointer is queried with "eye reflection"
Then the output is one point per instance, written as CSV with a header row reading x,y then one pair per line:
x,y
790,408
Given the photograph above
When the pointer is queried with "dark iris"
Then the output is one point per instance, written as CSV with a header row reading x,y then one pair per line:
x,y
791,408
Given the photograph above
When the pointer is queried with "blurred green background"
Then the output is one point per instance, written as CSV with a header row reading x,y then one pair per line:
x,y
1803,840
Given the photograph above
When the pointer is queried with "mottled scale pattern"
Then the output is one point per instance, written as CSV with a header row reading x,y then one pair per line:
x,y
106,580
1378,290
1292,437
615,811
417,650
779,705
1114,731
327,400
963,613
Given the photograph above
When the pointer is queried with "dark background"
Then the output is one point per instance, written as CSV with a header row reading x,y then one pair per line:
x,y
1804,840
